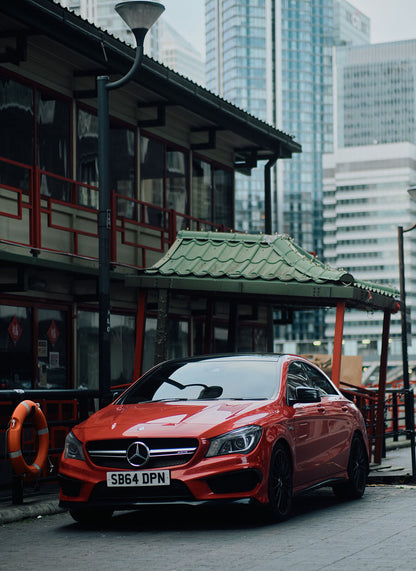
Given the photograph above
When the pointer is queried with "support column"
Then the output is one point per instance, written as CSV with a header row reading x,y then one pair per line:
x,y
381,397
337,352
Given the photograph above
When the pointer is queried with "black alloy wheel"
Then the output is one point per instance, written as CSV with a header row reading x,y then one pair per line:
x,y
280,483
358,468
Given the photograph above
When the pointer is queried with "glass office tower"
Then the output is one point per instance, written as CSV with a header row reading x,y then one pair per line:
x,y
274,59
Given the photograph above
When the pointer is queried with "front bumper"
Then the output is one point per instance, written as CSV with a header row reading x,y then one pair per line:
x,y
223,478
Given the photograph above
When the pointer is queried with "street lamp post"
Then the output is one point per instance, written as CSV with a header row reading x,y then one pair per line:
x,y
139,15
408,393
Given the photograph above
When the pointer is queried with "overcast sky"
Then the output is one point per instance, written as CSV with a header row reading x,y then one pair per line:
x,y
391,20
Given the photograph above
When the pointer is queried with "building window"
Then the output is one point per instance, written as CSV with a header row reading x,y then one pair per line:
x,y
16,347
122,163
164,180
123,337
46,146
212,193
33,347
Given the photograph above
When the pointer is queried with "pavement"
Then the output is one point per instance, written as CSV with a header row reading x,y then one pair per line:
x,y
395,468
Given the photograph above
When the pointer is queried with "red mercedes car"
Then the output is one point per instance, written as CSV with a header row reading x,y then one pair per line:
x,y
216,428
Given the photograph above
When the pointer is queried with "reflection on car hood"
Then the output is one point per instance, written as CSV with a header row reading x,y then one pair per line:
x,y
160,419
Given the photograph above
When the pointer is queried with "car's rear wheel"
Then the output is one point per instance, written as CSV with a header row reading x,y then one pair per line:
x,y
280,483
358,468
91,516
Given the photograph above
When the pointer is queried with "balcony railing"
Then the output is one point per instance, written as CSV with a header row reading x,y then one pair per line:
x,y
53,214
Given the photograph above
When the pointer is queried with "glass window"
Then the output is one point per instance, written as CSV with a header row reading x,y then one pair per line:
x,y
201,190
296,377
178,339
87,157
317,380
123,167
17,125
16,347
53,144
122,162
52,349
177,184
223,197
225,377
122,341
149,343
152,172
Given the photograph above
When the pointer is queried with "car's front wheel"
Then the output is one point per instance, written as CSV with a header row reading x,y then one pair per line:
x,y
91,516
358,468
280,483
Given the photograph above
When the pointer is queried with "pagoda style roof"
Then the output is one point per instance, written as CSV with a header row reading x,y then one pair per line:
x,y
271,266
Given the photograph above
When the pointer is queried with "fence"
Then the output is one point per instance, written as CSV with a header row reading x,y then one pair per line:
x,y
394,412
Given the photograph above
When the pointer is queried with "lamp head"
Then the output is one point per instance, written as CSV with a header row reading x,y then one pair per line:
x,y
140,16
412,192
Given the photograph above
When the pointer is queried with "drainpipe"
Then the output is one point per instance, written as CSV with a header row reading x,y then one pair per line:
x,y
268,195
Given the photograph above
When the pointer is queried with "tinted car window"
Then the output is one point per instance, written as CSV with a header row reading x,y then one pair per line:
x,y
317,380
296,377
207,379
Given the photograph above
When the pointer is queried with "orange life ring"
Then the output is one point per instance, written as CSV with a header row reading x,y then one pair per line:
x,y
23,410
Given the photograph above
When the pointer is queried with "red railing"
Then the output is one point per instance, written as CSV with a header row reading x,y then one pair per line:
x,y
71,208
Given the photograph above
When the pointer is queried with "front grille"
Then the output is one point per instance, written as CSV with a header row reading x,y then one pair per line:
x,y
177,491
164,452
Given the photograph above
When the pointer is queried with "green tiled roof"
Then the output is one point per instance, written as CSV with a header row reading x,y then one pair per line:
x,y
259,265
242,256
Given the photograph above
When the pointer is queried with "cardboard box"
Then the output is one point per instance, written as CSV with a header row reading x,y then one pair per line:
x,y
351,367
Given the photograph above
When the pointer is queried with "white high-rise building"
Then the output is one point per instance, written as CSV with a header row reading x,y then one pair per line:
x,y
367,175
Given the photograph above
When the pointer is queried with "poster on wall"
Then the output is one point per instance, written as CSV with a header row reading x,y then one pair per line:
x,y
53,360
42,348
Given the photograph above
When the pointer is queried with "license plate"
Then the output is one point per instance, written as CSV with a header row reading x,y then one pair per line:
x,y
142,478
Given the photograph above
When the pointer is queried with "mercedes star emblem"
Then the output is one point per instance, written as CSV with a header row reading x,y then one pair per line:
x,y
138,454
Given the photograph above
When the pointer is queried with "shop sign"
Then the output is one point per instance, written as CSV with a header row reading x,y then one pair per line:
x,y
15,330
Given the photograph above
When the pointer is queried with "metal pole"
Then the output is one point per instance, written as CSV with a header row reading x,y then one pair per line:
x,y
104,224
408,394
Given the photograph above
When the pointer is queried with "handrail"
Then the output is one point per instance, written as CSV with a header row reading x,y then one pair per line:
x,y
48,212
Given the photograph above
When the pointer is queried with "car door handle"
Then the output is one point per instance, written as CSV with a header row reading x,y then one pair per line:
x,y
344,409
321,409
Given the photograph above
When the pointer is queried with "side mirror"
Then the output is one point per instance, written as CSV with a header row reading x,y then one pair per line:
x,y
306,394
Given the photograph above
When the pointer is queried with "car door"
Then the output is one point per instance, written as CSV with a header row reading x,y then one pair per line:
x,y
337,425
309,429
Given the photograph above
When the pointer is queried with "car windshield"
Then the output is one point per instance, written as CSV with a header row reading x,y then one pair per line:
x,y
231,378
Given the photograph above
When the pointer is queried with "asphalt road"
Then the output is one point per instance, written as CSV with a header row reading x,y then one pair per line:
x,y
376,532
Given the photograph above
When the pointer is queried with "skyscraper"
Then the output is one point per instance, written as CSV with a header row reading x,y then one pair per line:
x,y
274,59
367,175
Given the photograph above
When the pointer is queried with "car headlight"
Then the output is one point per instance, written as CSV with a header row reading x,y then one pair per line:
x,y
73,448
240,441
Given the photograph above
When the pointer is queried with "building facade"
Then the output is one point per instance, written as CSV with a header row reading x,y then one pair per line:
x,y
274,59
174,149
369,172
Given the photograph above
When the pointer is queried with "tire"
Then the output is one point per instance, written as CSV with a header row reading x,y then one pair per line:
x,y
358,468
280,484
91,516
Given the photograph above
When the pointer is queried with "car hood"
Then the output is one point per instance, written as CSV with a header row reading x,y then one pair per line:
x,y
160,419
